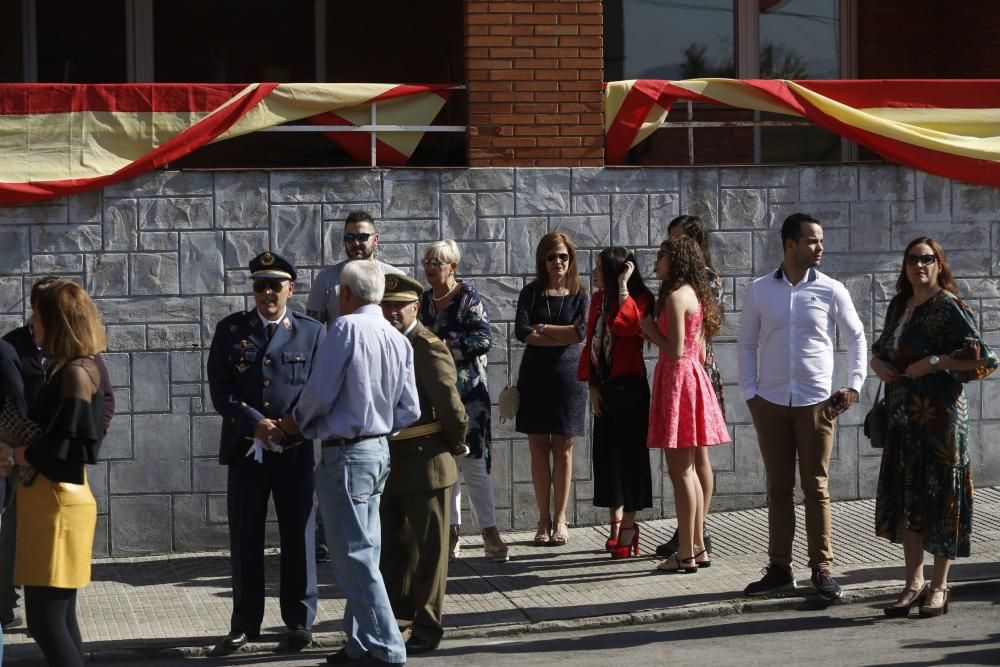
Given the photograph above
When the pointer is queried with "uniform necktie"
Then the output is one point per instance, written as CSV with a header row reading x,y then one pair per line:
x,y
271,328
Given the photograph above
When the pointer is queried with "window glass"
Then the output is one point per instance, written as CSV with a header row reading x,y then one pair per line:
x,y
799,39
77,44
225,41
663,39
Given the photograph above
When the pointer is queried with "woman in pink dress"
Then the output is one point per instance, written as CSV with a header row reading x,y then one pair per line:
x,y
684,412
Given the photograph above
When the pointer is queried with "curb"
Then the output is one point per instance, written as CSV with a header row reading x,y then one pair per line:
x,y
725,608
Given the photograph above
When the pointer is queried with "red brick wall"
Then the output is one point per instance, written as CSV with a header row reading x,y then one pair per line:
x,y
534,73
929,39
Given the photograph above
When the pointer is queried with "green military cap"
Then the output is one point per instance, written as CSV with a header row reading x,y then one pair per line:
x,y
401,289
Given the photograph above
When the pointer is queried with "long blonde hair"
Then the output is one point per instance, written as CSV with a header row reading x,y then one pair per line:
x,y
72,326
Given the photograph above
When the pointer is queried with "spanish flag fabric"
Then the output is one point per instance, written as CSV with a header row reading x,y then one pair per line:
x,y
57,139
945,127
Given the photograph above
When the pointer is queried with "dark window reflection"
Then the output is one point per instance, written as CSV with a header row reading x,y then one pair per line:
x,y
799,39
77,44
234,42
672,39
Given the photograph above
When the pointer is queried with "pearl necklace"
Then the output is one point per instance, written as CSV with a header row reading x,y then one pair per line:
x,y
446,294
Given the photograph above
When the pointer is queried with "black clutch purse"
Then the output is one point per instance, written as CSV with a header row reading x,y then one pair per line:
x,y
877,421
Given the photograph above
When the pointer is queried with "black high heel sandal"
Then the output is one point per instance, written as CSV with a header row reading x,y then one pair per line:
x,y
898,610
685,565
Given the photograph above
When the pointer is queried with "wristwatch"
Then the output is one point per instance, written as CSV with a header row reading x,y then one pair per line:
x,y
934,361
541,328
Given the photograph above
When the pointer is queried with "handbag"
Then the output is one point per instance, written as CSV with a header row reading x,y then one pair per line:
x,y
510,398
877,421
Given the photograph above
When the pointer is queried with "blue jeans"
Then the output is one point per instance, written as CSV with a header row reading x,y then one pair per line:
x,y
349,482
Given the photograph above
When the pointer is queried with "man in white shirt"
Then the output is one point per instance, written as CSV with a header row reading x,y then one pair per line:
x,y
786,354
364,389
360,242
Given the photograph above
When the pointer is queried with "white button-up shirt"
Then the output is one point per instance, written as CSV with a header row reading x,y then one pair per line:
x,y
787,338
362,383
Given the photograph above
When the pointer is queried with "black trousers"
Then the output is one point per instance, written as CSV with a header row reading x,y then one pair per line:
x,y
248,488
51,616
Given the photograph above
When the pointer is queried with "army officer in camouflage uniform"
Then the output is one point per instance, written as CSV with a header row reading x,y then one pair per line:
x,y
259,363
415,503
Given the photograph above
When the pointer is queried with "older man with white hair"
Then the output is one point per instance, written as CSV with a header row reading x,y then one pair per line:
x,y
364,389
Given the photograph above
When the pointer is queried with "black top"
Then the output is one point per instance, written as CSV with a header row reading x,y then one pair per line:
x,y
11,389
33,371
69,409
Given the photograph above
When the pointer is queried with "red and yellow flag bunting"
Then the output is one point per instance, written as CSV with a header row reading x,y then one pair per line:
x,y
57,139
945,127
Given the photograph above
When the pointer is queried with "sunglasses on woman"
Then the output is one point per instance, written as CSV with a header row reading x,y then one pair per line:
x,y
561,256
432,263
921,260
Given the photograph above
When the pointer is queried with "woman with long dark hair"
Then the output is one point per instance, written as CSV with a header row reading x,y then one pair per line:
x,y
550,321
929,346
613,367
684,413
691,226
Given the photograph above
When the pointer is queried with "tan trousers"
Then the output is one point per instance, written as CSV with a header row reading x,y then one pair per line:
x,y
782,433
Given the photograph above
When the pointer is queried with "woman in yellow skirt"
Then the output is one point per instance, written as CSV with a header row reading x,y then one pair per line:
x,y
56,512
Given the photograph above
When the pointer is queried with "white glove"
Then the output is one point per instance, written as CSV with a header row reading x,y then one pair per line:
x,y
257,451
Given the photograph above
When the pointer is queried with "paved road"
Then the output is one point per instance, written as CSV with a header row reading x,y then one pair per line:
x,y
852,635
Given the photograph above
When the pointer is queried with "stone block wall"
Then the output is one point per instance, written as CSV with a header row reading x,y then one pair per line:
x,y
165,257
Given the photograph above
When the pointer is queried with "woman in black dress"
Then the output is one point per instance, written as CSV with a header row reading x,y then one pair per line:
x,y
550,320
57,514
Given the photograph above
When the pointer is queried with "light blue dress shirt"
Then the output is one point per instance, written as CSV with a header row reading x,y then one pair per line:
x,y
362,383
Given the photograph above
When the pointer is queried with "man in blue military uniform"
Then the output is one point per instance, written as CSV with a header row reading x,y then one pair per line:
x,y
259,363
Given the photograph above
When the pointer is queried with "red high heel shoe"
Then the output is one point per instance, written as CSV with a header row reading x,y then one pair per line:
x,y
629,549
612,542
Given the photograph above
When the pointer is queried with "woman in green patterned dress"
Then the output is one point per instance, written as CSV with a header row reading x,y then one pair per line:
x,y
929,346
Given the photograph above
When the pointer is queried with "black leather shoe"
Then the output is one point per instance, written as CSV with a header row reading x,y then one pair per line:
x,y
298,639
9,619
417,645
234,641
824,584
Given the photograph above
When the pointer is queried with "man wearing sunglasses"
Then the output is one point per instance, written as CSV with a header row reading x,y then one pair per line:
x,y
257,367
360,242
788,334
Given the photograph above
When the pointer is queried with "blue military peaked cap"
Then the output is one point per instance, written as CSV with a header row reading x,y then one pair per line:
x,y
271,265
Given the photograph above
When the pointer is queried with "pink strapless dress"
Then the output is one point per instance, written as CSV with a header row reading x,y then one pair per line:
x,y
683,410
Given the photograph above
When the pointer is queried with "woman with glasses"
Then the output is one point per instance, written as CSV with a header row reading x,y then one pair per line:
x,y
550,320
929,346
453,309
615,373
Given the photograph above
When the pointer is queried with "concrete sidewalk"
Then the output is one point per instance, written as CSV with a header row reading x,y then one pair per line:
x,y
179,605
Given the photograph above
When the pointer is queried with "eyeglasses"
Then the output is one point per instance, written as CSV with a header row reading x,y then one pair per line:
x,y
265,284
561,256
921,260
432,263
360,237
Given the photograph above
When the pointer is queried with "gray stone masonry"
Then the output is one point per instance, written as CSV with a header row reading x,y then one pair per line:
x,y
165,257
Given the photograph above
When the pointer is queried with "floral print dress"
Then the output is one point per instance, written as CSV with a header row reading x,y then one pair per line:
x,y
925,481
465,326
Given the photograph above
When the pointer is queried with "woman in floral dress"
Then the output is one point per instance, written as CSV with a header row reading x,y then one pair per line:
x,y
453,310
929,346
